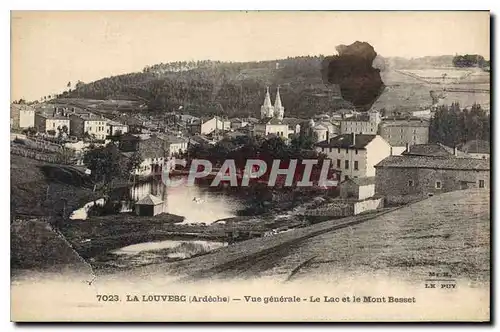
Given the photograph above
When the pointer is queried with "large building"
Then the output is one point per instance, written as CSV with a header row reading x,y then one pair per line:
x,y
361,124
399,132
88,125
355,155
51,122
402,179
267,110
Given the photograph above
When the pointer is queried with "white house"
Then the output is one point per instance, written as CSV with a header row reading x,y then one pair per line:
x,y
355,155
269,126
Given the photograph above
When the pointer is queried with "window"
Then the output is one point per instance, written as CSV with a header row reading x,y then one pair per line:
x,y
338,163
438,184
356,165
346,177
346,150
481,183
331,149
338,150
347,164
411,183
356,151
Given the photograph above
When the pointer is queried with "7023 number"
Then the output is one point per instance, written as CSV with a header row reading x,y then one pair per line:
x,y
108,298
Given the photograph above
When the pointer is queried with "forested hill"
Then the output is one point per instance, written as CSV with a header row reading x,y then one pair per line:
x,y
232,89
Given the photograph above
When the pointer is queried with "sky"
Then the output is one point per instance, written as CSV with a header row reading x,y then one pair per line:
x,y
51,48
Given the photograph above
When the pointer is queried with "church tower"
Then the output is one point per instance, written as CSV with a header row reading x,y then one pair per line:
x,y
279,110
267,109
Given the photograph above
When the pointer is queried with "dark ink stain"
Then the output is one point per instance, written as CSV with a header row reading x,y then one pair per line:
x,y
352,70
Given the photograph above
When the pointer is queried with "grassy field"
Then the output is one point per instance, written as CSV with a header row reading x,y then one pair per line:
x,y
38,188
449,233
412,91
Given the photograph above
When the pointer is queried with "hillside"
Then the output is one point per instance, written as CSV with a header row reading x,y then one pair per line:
x,y
237,89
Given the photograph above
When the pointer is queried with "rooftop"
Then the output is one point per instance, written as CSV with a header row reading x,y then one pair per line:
x,y
346,141
270,121
405,123
364,181
409,161
432,149
149,200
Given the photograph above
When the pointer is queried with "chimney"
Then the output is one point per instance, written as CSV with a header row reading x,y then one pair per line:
x,y
407,147
353,138
391,151
327,135
455,151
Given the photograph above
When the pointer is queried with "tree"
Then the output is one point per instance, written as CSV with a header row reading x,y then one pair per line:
x,y
104,163
133,163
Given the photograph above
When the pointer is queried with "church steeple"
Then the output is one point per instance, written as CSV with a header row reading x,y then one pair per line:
x,y
267,99
279,110
267,109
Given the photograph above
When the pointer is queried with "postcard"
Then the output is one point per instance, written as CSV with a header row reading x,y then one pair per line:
x,y
250,166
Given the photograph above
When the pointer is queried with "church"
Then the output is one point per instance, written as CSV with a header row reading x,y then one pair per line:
x,y
271,118
267,110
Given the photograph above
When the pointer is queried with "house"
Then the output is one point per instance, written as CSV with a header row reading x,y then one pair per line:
x,y
149,205
51,122
357,188
174,145
342,114
320,132
402,179
88,124
114,128
22,116
355,155
476,149
399,132
237,123
207,126
152,151
188,119
361,124
294,125
271,126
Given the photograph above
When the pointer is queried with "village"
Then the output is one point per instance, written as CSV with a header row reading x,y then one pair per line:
x,y
378,161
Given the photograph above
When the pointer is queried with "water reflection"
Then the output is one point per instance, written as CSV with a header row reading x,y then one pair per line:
x,y
197,204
